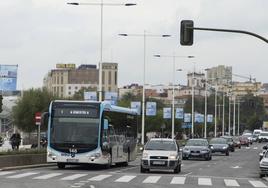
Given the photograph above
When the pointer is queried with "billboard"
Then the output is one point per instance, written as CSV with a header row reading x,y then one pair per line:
x,y
151,108
166,113
179,113
112,97
209,118
8,77
136,105
90,96
187,117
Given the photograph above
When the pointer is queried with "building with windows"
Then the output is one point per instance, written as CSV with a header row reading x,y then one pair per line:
x,y
220,75
66,80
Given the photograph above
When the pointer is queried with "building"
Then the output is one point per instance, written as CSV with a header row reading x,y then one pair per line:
x,y
66,79
243,88
196,79
220,75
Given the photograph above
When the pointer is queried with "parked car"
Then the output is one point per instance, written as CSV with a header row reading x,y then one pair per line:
x,y
197,148
219,145
244,141
237,143
264,165
161,153
1,141
264,149
230,142
263,137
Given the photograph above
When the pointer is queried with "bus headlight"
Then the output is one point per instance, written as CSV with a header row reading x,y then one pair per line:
x,y
95,156
50,154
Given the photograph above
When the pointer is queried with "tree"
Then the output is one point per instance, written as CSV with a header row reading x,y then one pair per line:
x,y
32,101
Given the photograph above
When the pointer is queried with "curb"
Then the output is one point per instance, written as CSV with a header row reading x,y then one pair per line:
x,y
27,166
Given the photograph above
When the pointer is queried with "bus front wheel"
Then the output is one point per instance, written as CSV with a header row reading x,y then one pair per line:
x,y
61,165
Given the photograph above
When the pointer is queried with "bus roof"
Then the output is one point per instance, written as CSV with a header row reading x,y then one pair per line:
x,y
105,104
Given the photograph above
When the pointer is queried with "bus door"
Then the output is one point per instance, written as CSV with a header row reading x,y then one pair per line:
x,y
113,143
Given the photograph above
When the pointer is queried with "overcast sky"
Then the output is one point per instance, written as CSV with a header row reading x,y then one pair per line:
x,y
37,34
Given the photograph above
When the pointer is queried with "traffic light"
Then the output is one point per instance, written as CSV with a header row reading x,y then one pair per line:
x,y
1,103
187,33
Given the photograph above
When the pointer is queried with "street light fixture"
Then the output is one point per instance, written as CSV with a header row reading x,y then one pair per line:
x,y
144,35
173,86
101,4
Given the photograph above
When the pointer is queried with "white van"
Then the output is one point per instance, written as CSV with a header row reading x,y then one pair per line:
x,y
257,132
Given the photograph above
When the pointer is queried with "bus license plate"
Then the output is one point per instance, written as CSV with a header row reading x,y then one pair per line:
x,y
72,160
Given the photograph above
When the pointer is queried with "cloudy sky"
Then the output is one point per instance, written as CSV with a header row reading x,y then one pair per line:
x,y
37,34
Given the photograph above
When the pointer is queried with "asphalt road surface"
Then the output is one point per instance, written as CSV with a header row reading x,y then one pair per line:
x,y
240,169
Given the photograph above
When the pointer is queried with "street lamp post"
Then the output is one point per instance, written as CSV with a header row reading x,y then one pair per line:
x,y
238,119
173,86
234,118
215,123
101,4
206,103
229,122
223,110
144,35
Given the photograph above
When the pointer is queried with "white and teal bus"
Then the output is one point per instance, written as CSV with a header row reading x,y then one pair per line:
x,y
81,132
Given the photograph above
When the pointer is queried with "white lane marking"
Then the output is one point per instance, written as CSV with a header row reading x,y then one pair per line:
x,y
47,176
255,148
247,147
204,181
75,186
125,179
79,184
92,186
6,173
178,180
231,183
257,184
84,181
151,179
99,178
188,174
23,175
73,177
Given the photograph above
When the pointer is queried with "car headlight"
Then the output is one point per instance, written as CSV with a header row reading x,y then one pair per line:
x,y
172,157
204,151
186,150
224,147
145,155
211,147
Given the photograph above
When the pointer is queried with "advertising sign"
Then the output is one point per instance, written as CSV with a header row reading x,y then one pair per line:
x,y
187,117
8,77
167,113
151,108
199,118
112,97
137,106
186,125
179,113
209,118
65,66
90,96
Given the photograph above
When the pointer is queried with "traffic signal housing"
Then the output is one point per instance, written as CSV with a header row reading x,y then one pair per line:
x,y
1,103
187,33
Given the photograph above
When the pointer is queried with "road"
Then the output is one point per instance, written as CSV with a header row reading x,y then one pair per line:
x,y
240,169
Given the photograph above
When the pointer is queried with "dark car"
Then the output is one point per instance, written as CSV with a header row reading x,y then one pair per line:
x,y
219,145
230,142
1,141
244,141
237,142
196,148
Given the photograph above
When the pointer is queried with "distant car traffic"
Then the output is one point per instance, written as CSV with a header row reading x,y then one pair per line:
x,y
219,145
197,148
249,136
263,137
236,141
230,142
161,153
244,141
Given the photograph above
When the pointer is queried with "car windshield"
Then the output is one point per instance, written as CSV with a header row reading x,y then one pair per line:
x,y
161,145
264,134
197,143
217,141
229,139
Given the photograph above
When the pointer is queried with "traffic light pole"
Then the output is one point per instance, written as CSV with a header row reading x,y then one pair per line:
x,y
229,31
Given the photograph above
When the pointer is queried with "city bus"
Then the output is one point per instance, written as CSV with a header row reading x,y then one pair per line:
x,y
89,132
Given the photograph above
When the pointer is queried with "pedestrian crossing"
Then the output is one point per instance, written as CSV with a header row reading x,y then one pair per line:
x,y
84,178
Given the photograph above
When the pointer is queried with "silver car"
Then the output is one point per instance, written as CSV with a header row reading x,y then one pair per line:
x,y
161,153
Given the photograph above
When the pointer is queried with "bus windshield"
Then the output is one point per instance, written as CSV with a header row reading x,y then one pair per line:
x,y
81,132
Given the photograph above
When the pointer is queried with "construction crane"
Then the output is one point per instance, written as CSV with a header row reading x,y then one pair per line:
x,y
245,77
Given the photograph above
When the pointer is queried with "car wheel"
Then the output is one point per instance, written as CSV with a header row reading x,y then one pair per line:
x,y
61,165
240,147
261,175
184,158
227,153
177,169
247,145
142,170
